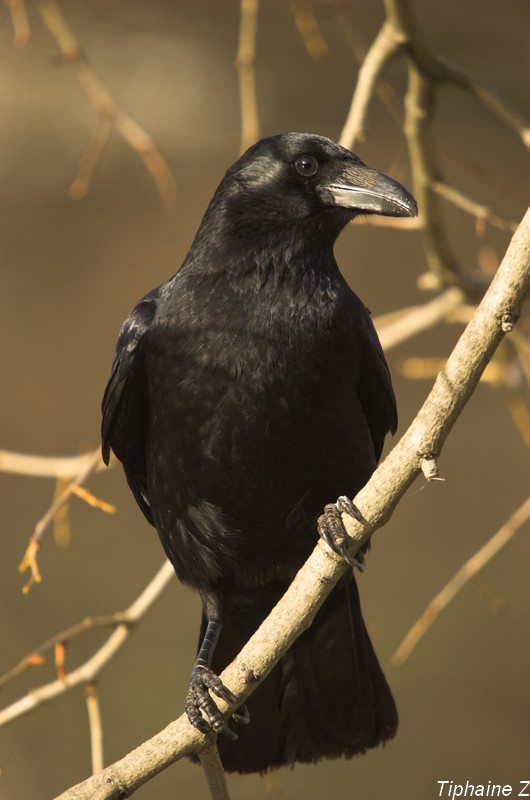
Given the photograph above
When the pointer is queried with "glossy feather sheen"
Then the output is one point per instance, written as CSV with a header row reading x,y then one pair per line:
x,y
247,392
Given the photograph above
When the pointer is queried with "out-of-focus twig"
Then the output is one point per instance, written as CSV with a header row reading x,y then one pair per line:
x,y
245,62
467,571
308,28
214,772
419,106
19,18
50,466
37,657
412,321
134,135
382,51
450,73
274,786
352,31
91,158
91,669
95,726
478,210
87,465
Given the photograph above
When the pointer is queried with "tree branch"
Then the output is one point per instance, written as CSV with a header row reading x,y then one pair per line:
x,y
245,62
100,97
383,49
464,574
88,671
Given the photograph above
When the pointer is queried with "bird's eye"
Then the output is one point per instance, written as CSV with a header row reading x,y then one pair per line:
x,y
307,166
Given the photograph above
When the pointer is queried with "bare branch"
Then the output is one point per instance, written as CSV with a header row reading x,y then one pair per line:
x,y
376,502
384,47
308,28
464,574
450,73
215,774
245,62
91,158
412,321
87,465
37,657
477,210
90,669
103,101
19,18
351,28
96,728
50,466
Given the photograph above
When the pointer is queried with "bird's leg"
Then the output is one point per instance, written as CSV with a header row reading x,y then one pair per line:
x,y
201,709
332,530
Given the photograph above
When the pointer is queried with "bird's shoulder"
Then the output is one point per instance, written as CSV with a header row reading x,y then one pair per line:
x,y
125,394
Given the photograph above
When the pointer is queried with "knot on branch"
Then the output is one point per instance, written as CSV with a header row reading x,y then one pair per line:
x,y
248,675
507,320
429,466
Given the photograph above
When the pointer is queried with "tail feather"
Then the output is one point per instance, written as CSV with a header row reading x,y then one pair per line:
x,y
326,698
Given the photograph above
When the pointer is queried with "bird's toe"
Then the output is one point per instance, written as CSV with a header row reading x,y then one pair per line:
x,y
202,710
331,529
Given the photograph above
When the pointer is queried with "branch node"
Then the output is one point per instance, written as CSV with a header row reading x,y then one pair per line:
x,y
429,466
507,320
247,674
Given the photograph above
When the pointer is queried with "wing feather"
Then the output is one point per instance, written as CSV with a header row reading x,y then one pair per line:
x,y
125,402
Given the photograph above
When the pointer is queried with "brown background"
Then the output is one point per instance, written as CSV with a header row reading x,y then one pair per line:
x,y
70,273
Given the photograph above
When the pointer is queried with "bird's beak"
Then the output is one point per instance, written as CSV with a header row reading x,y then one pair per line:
x,y
371,192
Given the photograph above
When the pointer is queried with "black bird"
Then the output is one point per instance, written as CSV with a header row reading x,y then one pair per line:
x,y
247,392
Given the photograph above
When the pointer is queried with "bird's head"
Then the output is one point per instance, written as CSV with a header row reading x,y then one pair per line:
x,y
308,181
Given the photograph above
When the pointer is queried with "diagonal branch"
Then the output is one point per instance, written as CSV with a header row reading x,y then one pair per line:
x,y
385,46
458,581
103,101
496,314
88,671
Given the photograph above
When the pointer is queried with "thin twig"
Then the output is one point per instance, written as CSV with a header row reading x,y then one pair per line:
x,y
274,786
214,772
464,574
382,51
245,62
419,103
351,28
417,319
29,560
95,726
19,18
307,26
50,466
37,656
91,158
107,108
90,669
450,73
472,207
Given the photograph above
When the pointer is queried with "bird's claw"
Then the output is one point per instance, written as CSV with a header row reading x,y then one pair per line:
x,y
332,530
201,709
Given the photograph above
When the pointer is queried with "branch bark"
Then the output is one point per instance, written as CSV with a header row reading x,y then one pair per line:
x,y
422,442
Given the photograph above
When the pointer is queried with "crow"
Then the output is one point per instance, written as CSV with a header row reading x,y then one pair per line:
x,y
247,394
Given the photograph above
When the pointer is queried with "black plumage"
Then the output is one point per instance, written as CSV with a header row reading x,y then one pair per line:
x,y
246,393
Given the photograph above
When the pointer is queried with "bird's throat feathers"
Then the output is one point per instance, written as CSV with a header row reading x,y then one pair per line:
x,y
275,258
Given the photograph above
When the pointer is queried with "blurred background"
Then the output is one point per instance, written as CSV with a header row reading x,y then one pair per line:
x,y
70,272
